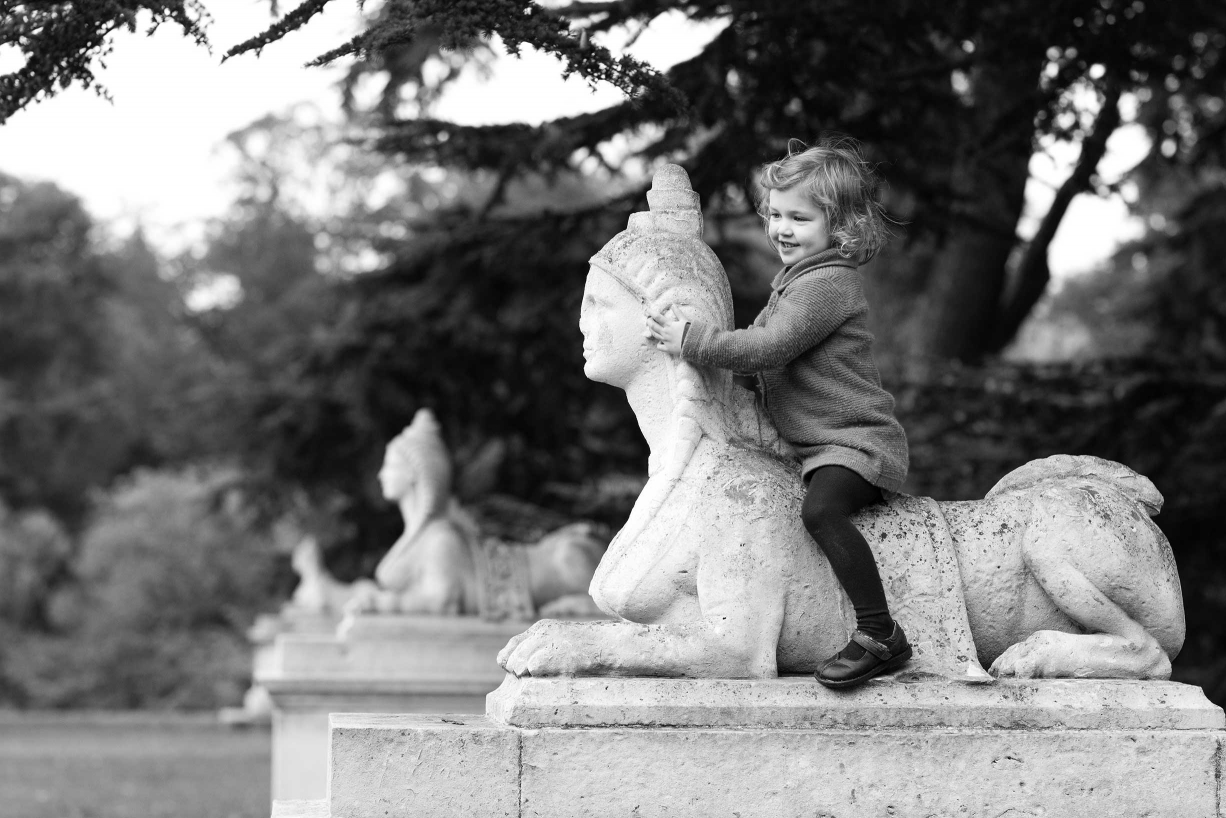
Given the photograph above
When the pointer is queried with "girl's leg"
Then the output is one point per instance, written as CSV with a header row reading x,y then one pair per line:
x,y
835,493
879,645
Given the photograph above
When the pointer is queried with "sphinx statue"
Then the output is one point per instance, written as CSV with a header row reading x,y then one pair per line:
x,y
1058,572
442,565
317,590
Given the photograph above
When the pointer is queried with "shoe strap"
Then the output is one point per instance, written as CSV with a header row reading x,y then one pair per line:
x,y
871,645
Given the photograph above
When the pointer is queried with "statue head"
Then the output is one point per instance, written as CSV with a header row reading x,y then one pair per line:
x,y
417,462
305,558
660,262
661,259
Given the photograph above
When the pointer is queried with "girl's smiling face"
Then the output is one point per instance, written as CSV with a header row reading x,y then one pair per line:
x,y
796,226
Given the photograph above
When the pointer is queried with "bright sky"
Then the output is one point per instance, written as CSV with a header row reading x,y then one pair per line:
x,y
153,154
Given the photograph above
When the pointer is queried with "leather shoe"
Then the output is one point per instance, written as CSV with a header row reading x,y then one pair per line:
x,y
877,658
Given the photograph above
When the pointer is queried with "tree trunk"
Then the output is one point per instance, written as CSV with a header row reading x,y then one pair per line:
x,y
969,272
1033,272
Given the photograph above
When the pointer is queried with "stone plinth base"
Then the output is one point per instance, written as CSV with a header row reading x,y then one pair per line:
x,y
300,809
788,747
1058,704
257,706
381,664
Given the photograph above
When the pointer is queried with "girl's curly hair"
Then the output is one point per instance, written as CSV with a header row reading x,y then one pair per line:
x,y
835,177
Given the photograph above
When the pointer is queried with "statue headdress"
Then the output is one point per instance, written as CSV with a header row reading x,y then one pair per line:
x,y
662,249
420,447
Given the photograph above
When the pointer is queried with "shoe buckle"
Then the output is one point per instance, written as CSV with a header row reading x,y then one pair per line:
x,y
871,645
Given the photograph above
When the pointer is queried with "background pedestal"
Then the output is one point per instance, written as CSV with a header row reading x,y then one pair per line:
x,y
381,664
788,747
262,635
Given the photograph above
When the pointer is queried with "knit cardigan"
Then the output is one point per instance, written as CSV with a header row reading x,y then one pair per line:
x,y
812,352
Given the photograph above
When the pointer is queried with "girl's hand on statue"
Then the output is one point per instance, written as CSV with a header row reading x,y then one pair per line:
x,y
665,332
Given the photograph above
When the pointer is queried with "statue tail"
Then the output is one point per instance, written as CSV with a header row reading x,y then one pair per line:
x,y
1135,486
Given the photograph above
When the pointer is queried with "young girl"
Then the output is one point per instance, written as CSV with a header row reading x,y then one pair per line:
x,y
812,353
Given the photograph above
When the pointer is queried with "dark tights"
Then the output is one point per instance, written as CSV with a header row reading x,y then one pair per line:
x,y
835,493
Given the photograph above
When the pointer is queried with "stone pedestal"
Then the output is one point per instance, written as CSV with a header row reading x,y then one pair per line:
x,y
379,664
788,747
262,635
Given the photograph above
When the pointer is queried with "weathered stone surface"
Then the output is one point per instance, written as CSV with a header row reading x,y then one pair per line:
x,y
257,704
852,774
1058,572
300,808
455,649
795,702
1106,766
422,765
382,664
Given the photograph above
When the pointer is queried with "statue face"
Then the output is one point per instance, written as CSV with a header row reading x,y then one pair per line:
x,y
395,479
612,322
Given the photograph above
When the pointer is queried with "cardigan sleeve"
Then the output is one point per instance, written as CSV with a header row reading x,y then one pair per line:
x,y
809,310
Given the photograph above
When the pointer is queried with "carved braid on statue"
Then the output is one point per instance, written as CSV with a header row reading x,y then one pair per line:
x,y
1059,572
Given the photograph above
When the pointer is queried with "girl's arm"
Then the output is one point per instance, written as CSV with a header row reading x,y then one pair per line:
x,y
811,310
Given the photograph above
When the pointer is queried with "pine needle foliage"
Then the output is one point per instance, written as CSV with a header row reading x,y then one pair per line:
x,y
62,42
461,24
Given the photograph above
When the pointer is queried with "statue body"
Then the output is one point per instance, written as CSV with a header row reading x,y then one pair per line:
x,y
1066,575
317,590
704,575
1058,572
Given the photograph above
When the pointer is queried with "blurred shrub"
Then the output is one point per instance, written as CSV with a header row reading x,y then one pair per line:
x,y
33,551
171,571
98,372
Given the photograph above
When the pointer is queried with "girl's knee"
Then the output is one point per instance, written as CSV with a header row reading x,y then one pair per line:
x,y
818,517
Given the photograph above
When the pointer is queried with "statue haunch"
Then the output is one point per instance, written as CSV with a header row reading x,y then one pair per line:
x,y
1062,570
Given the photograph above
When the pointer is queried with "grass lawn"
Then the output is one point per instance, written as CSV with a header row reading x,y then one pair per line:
x,y
102,765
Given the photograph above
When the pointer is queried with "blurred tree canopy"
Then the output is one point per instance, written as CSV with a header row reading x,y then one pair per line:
x,y
53,361
955,99
103,371
92,357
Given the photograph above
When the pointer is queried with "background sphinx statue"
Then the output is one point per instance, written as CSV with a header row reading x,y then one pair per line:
x,y
317,590
1058,572
442,565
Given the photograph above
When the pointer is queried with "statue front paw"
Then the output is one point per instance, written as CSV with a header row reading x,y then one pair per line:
x,y
370,598
545,649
